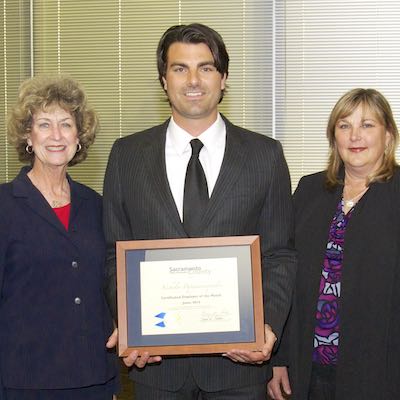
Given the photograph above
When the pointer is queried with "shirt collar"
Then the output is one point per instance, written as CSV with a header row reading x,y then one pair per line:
x,y
212,138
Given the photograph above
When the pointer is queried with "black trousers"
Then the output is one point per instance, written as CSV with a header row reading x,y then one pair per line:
x,y
190,391
323,382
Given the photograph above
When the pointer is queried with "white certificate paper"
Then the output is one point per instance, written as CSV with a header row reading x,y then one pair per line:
x,y
189,296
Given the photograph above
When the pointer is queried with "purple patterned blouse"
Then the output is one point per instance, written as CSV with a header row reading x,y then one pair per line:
x,y
327,326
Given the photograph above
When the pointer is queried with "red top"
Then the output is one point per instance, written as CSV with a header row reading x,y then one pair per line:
x,y
63,214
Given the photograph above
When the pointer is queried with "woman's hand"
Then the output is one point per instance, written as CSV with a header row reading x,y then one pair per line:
x,y
113,339
140,360
134,358
279,387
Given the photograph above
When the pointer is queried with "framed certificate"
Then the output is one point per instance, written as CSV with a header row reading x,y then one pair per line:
x,y
190,296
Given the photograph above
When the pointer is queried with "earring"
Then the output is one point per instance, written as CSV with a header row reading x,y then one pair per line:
x,y
78,147
29,149
386,149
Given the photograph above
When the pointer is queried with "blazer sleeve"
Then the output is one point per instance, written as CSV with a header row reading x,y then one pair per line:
x,y
115,222
5,221
302,192
277,229
282,356
6,218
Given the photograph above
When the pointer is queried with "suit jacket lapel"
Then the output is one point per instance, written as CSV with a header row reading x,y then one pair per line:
x,y
23,188
325,213
314,211
77,200
324,210
232,165
154,157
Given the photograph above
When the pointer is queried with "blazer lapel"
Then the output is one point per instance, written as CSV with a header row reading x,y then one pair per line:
x,y
23,188
323,211
77,199
232,165
154,157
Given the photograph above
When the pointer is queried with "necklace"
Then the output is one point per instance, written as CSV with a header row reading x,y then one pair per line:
x,y
56,203
352,202
56,198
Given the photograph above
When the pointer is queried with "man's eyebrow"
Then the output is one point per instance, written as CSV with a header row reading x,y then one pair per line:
x,y
178,64
183,64
202,64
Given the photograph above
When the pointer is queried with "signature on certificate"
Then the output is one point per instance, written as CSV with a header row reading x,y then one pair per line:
x,y
215,315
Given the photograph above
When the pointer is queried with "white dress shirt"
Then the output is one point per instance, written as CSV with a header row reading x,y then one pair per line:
x,y
178,152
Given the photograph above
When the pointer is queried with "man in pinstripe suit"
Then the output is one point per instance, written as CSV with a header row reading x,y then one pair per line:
x,y
249,193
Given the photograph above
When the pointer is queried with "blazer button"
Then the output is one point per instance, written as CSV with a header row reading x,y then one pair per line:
x,y
77,300
74,264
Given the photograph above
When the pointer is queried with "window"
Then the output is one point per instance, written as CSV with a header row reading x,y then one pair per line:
x,y
290,62
109,46
327,48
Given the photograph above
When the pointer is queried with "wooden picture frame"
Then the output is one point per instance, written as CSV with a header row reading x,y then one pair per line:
x,y
194,279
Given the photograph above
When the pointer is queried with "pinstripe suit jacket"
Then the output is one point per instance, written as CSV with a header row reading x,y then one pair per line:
x,y
251,196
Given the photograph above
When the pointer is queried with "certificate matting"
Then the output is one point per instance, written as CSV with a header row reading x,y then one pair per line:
x,y
244,321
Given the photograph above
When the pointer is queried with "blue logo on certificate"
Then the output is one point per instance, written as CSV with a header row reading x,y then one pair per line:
x,y
161,315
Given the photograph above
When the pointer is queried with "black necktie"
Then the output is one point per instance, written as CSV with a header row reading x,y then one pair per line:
x,y
195,197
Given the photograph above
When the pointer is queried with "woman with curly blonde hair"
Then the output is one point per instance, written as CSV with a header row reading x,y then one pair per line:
x,y
54,320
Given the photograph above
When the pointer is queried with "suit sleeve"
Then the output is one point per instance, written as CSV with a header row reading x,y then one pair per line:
x,y
5,221
115,221
278,255
282,356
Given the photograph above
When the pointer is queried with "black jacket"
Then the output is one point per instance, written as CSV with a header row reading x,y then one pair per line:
x,y
369,344
251,196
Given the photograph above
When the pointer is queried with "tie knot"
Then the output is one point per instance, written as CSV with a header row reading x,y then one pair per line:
x,y
196,146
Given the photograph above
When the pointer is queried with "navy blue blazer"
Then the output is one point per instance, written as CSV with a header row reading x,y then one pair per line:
x,y
54,321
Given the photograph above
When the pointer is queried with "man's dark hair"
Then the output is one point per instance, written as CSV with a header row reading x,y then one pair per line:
x,y
193,33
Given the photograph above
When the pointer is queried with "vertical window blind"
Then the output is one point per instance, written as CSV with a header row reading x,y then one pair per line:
x,y
110,47
14,67
290,62
326,48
